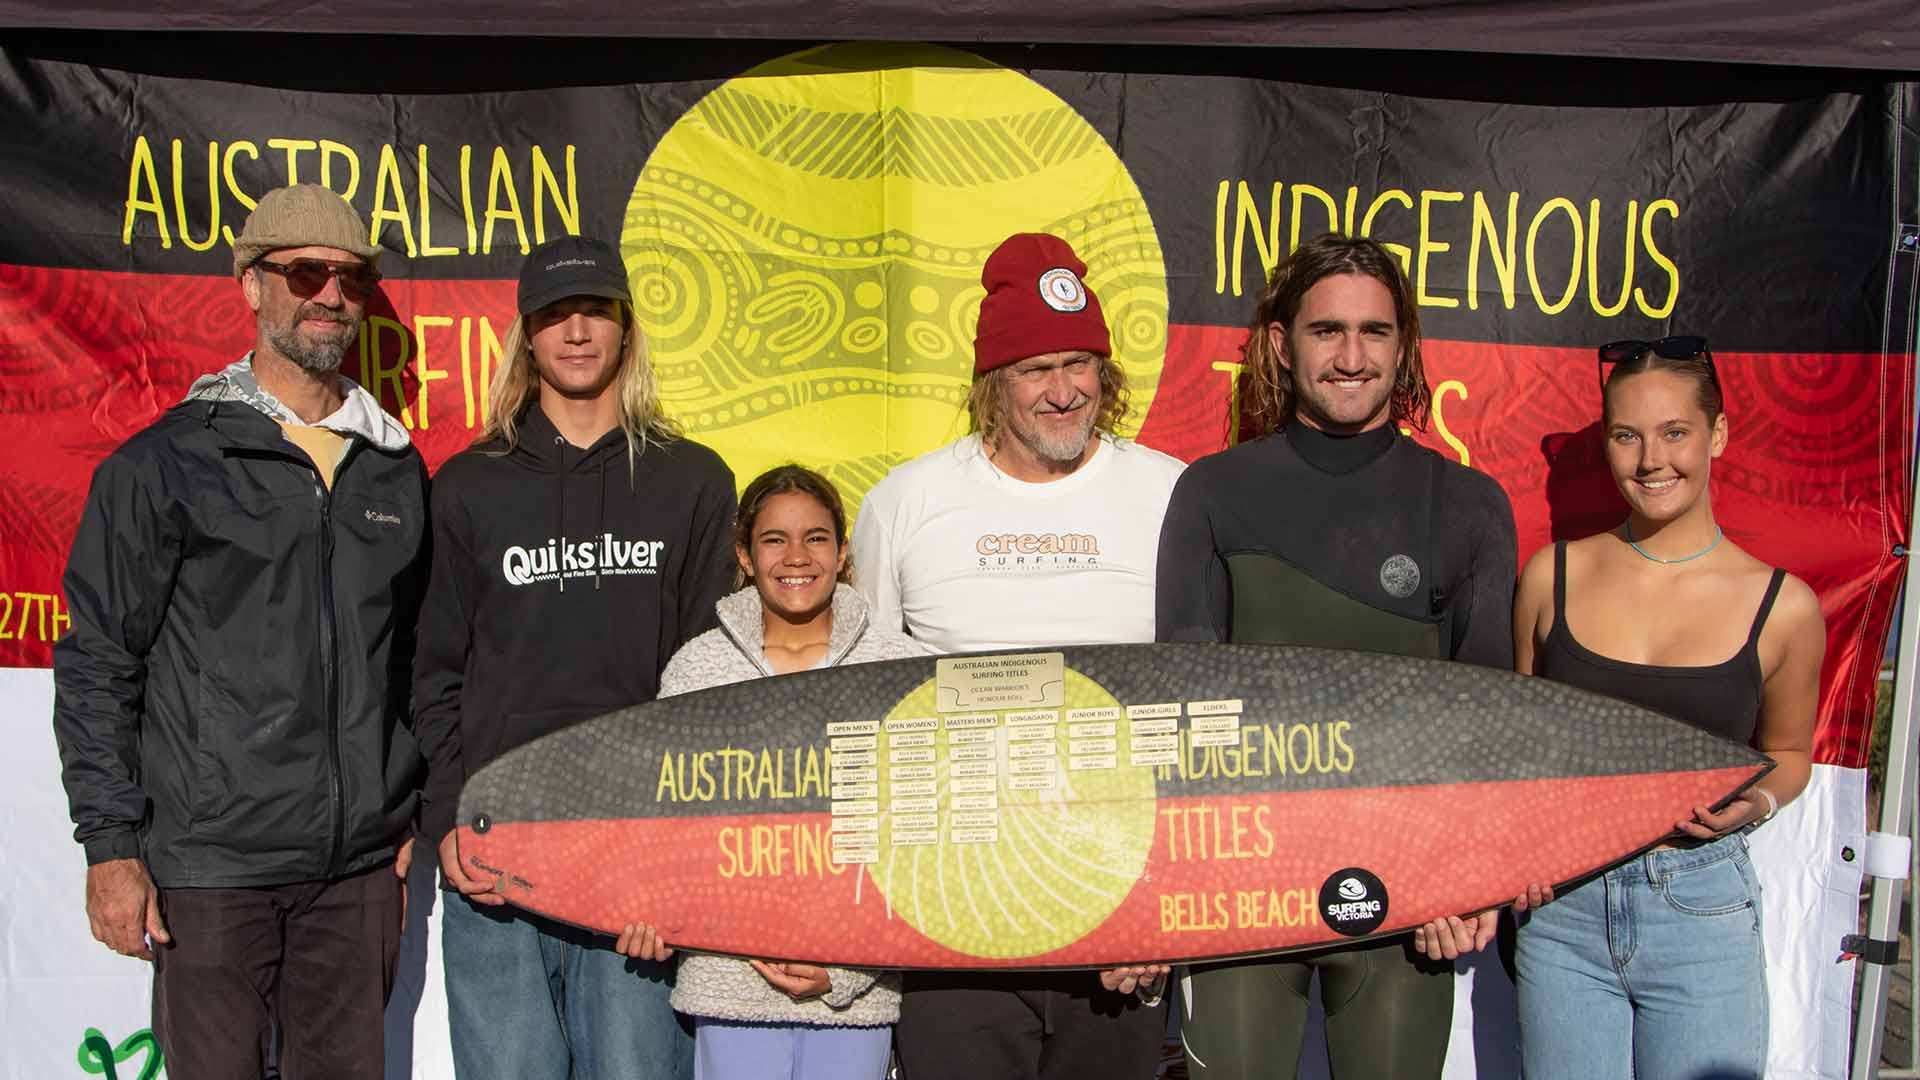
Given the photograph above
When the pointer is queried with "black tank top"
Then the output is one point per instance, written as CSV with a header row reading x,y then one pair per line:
x,y
1723,698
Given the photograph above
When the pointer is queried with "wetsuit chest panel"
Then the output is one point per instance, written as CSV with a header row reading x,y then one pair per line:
x,y
1348,560
1277,603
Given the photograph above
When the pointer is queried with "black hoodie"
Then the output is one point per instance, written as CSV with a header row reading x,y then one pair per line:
x,y
561,585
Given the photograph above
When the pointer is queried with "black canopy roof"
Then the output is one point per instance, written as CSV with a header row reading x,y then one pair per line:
x,y
1881,35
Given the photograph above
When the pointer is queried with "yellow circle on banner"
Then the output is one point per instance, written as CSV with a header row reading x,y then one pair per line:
x,y
805,246
1037,869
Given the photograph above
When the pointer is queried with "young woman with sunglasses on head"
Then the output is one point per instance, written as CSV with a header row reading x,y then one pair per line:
x,y
760,1018
1655,969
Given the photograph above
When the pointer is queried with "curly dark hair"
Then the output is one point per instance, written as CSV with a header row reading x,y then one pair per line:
x,y
1269,394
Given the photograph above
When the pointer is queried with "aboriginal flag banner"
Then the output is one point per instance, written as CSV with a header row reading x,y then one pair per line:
x,y
804,234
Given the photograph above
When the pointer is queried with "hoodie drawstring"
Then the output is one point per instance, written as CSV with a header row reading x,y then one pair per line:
x,y
560,509
600,522
213,405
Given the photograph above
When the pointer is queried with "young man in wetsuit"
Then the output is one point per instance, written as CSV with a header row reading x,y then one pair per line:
x,y
1332,529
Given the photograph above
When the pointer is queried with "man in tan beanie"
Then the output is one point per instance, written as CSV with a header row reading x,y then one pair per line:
x,y
1040,528
228,702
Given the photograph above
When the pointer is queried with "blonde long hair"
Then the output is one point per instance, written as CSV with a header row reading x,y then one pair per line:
x,y
516,385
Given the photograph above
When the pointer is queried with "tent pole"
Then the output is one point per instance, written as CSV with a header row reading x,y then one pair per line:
x,y
1896,816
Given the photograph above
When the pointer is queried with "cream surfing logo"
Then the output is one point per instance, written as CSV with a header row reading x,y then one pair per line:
x,y
604,555
1010,550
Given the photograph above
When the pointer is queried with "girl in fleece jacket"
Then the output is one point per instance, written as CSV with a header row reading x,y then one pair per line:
x,y
759,1018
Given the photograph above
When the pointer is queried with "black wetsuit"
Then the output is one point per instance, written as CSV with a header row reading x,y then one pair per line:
x,y
1367,542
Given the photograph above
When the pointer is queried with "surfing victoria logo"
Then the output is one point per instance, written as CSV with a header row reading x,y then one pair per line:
x,y
605,554
1354,902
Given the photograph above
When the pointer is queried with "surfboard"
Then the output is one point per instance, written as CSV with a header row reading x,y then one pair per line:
x,y
1082,807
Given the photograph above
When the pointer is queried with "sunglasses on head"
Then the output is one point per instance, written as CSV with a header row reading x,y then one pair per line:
x,y
1681,347
307,278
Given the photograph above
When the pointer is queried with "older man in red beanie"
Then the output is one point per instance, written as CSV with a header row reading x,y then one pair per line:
x,y
1037,529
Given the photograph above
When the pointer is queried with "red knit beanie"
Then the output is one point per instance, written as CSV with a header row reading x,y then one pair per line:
x,y
1037,302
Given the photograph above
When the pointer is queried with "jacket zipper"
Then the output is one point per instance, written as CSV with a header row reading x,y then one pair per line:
x,y
330,662
329,652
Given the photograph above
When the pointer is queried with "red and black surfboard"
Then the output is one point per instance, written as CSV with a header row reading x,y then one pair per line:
x,y
1083,807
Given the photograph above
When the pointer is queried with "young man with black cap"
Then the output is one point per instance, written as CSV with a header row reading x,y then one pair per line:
x,y
1038,529
230,701
576,545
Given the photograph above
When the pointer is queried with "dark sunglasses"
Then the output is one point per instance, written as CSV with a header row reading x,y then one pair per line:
x,y
307,278
1681,347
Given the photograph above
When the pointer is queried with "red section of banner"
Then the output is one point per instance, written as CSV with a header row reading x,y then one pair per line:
x,y
1224,875
87,358
1815,478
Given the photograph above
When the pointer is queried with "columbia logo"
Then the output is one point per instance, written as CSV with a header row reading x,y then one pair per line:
x,y
379,518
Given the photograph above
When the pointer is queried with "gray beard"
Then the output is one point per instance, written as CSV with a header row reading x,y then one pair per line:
x,y
1063,451
316,357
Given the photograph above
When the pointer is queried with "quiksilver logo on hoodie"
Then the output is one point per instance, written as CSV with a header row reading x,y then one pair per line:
x,y
605,555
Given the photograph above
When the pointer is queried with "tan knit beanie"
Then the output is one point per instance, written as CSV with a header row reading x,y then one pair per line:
x,y
299,216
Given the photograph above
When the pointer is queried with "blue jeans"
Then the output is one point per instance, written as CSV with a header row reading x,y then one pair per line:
x,y
736,1051
1653,970
529,999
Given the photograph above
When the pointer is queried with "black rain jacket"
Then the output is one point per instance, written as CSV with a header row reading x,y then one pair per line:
x,y
231,701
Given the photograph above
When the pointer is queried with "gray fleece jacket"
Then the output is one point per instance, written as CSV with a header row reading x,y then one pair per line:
x,y
721,987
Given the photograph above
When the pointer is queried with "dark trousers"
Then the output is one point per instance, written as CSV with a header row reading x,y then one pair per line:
x,y
1389,1013
312,962
1024,1027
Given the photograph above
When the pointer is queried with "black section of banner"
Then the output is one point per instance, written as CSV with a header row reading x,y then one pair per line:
x,y
1300,720
78,161
456,64
1658,204
1839,33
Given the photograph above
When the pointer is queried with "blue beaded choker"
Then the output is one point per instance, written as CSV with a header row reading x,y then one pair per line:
x,y
1717,535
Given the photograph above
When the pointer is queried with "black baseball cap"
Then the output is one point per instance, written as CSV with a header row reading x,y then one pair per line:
x,y
571,266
